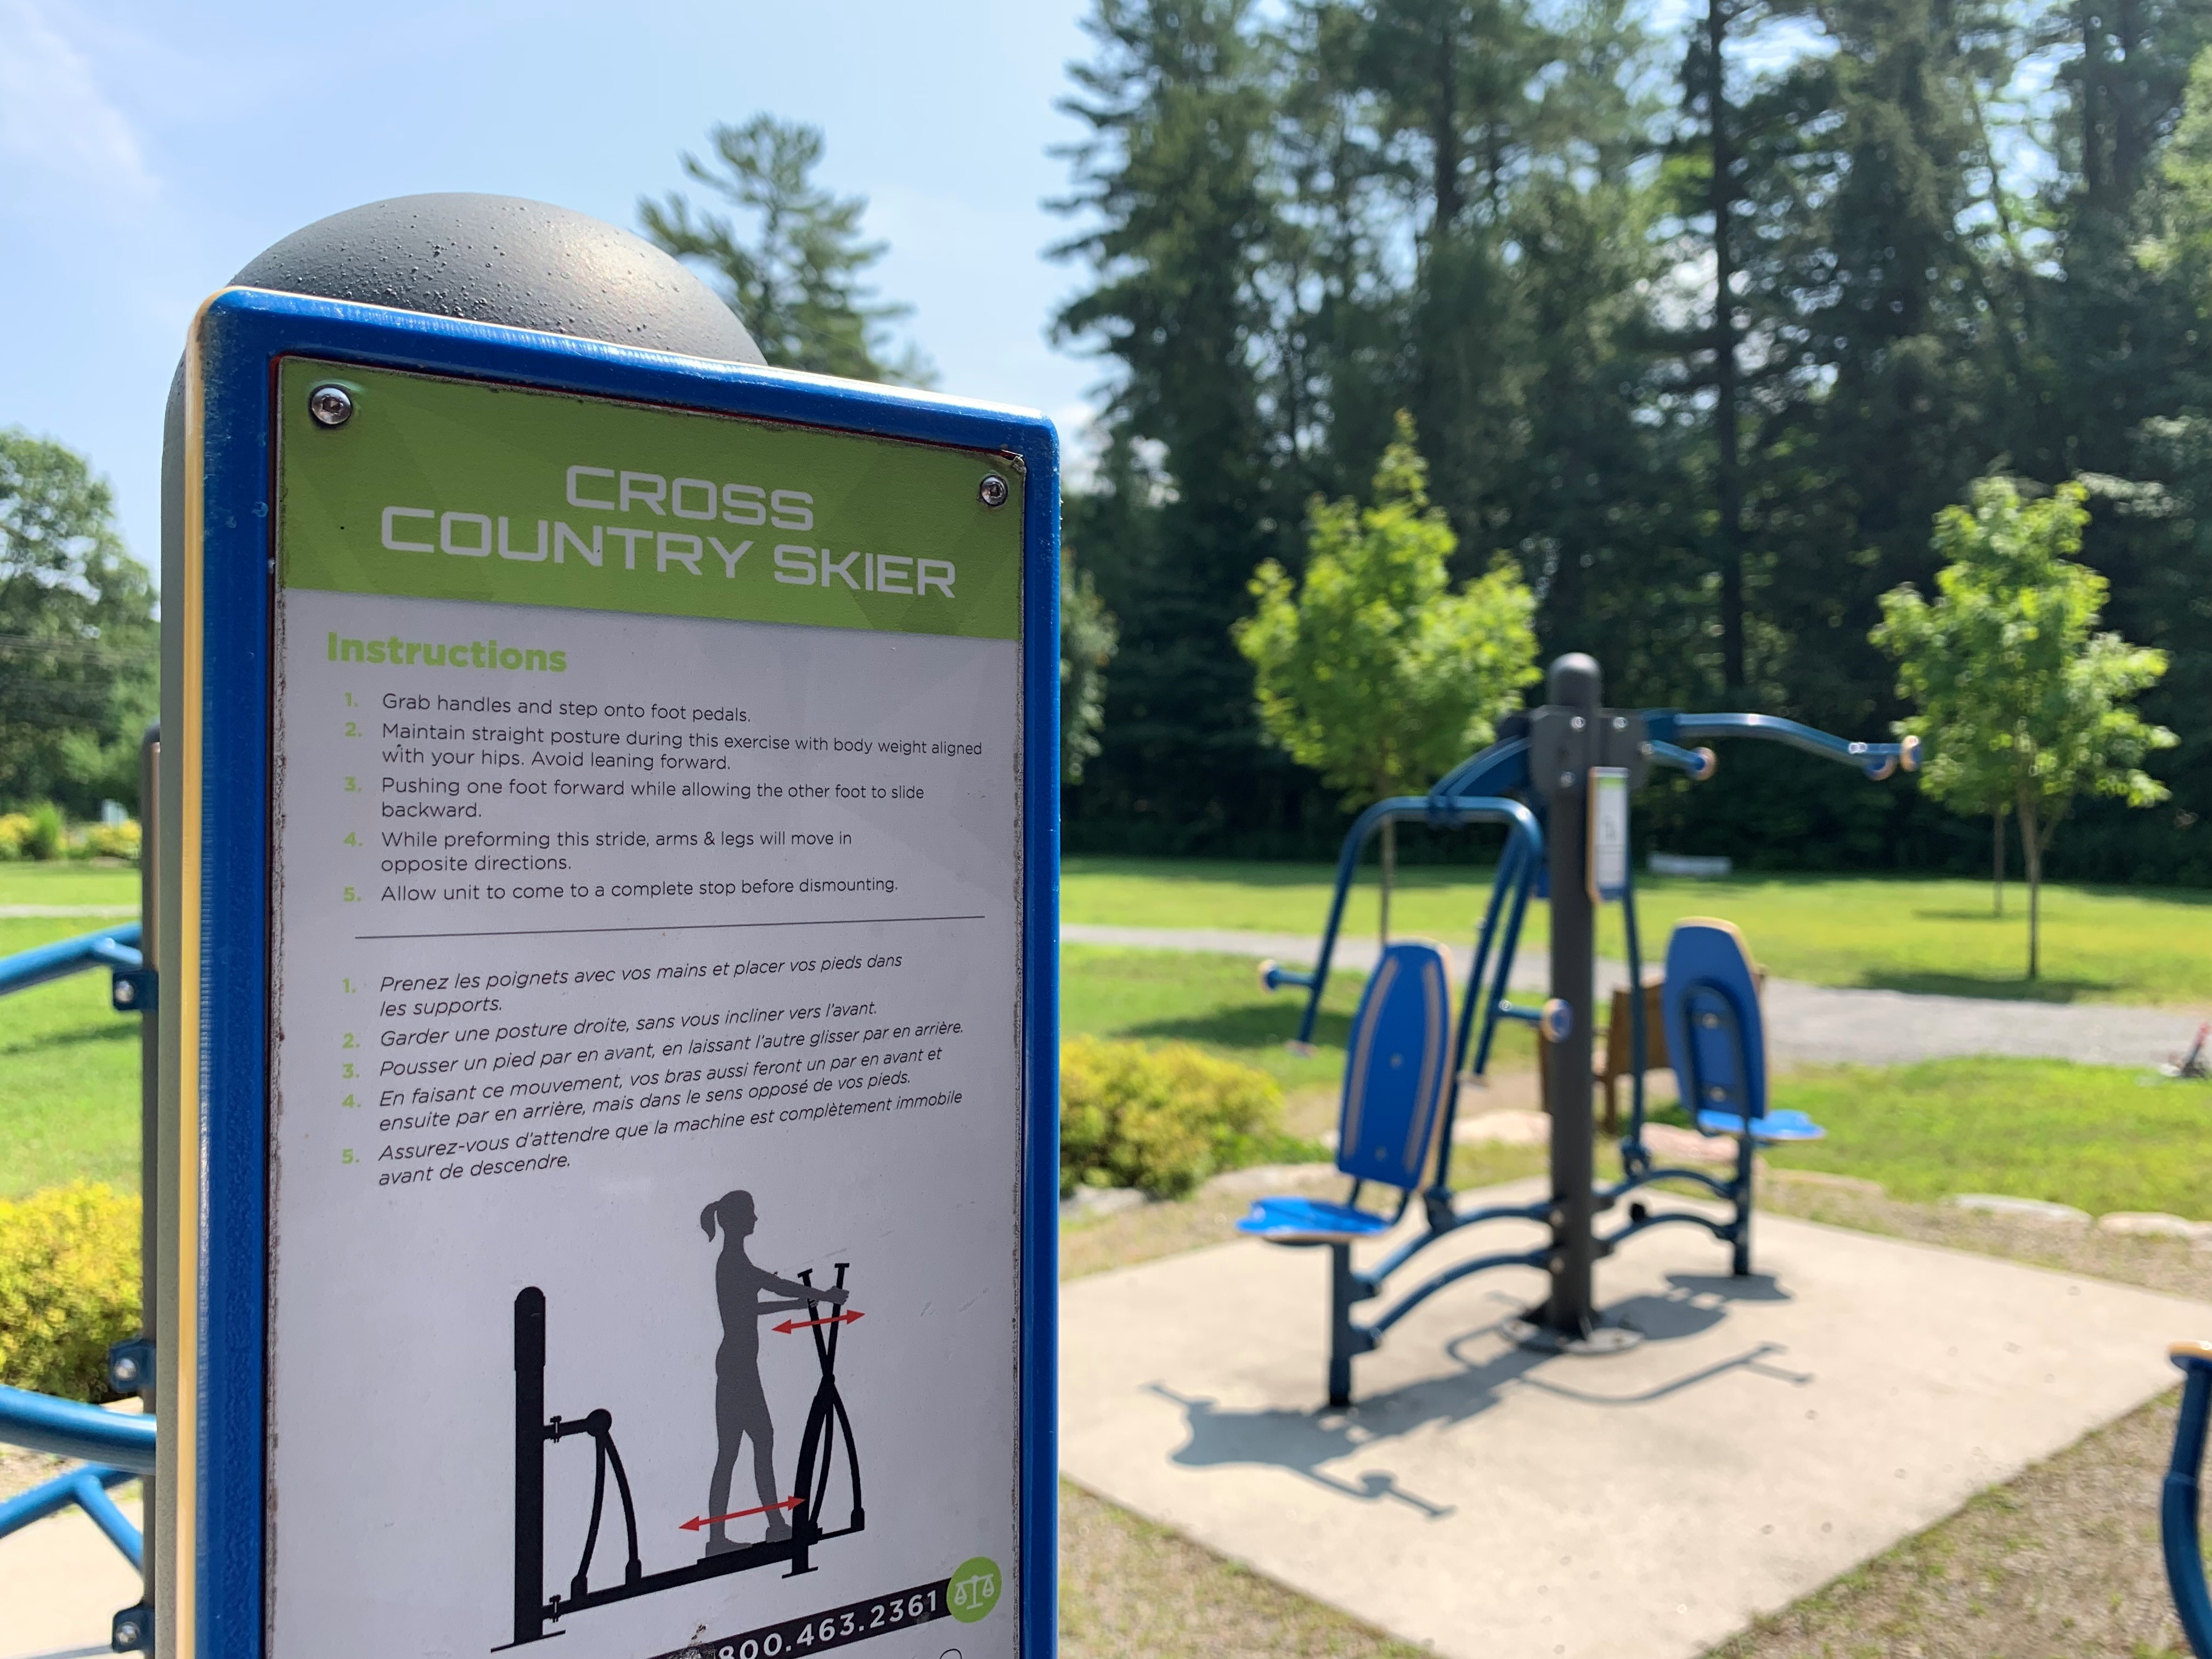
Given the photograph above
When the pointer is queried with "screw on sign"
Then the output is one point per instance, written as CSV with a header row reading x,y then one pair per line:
x,y
331,405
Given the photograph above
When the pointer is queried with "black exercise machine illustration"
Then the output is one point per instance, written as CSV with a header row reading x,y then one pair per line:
x,y
793,1522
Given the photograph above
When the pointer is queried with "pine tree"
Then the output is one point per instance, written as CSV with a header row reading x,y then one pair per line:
x,y
1172,181
797,281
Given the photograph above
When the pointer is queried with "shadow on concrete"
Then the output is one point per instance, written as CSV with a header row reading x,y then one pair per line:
x,y
1297,1442
1304,1444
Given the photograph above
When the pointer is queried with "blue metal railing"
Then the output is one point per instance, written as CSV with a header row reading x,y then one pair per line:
x,y
110,947
69,1428
2177,1507
115,1447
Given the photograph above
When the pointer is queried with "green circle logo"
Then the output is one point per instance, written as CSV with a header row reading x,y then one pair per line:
x,y
973,1590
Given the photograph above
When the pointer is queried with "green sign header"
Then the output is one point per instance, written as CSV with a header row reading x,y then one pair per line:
x,y
458,489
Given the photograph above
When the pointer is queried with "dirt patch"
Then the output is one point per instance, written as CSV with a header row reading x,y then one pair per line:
x,y
1129,1589
21,1470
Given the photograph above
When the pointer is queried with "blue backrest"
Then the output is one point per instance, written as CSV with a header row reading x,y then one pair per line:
x,y
1397,1064
1714,1033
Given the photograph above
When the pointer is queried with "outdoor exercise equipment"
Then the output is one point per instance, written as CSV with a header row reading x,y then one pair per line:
x,y
113,1447
827,1428
1559,780
2178,1502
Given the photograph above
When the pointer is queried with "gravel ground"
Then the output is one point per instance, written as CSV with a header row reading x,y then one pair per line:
x,y
1805,1023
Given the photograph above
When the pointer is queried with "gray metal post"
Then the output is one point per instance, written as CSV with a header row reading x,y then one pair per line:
x,y
1568,1314
149,1107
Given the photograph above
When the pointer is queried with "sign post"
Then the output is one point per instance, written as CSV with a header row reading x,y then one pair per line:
x,y
617,809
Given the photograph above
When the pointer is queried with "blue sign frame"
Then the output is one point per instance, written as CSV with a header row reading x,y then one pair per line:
x,y
217,723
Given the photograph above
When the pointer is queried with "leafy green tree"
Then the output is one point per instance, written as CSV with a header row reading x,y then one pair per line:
x,y
1171,182
798,284
1088,640
1375,672
79,656
2019,695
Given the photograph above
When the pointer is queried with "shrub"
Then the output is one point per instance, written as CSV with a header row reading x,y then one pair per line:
x,y
40,833
49,837
1159,1119
69,1287
110,840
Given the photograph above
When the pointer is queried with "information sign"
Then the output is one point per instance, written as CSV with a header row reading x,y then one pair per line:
x,y
654,1119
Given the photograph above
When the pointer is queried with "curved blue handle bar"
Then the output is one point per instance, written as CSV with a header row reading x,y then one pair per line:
x,y
1876,759
1433,808
68,1428
2177,1507
1697,764
1492,771
110,947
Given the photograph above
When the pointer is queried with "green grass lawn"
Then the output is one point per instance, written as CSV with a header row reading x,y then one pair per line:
x,y
2101,1138
69,1072
68,883
2110,945
1172,996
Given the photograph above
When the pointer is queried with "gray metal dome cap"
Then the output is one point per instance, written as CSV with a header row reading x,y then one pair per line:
x,y
505,259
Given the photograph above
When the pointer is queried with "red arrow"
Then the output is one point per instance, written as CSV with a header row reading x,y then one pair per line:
x,y
791,1325
699,1521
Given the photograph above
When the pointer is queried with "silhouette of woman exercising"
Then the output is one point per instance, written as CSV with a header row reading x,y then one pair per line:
x,y
740,1402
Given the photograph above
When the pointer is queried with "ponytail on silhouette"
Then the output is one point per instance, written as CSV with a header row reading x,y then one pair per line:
x,y
737,1203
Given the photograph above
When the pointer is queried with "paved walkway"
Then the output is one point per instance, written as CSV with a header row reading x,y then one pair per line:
x,y
1770,1433
1805,1023
61,1585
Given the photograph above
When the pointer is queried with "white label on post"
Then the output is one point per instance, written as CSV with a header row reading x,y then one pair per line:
x,y
1608,849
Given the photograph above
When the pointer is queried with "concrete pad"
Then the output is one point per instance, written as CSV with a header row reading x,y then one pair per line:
x,y
1771,1433
61,1585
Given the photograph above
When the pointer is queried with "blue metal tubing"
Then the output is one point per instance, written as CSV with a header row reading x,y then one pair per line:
x,y
1452,1275
1876,759
1518,819
87,1488
1501,977
1723,1190
1508,868
1373,1278
1639,1039
112,947
1698,766
69,1429
1492,771
2176,1506
1723,1230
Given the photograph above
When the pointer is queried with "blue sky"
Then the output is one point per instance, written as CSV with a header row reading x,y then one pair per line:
x,y
147,151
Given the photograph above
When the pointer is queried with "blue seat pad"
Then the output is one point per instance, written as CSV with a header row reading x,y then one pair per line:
x,y
1397,1067
1311,1217
1774,1126
1714,1034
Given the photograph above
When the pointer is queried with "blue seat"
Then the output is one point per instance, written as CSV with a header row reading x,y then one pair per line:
x,y
1717,1039
1397,1068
